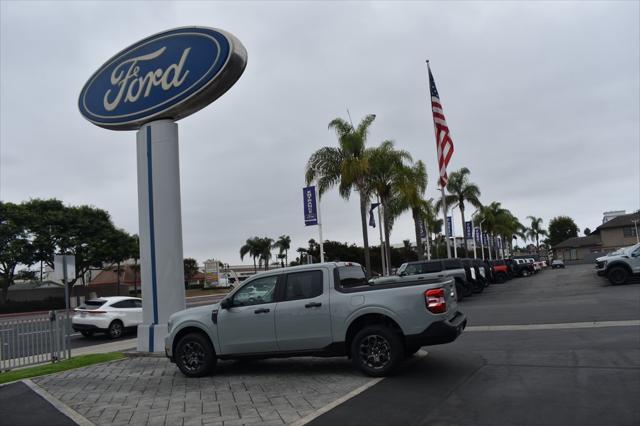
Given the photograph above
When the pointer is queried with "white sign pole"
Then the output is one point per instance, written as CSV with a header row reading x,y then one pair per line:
x,y
320,229
160,219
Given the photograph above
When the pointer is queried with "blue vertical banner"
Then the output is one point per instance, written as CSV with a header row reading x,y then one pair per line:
x,y
478,235
423,228
485,239
450,226
499,242
468,233
310,210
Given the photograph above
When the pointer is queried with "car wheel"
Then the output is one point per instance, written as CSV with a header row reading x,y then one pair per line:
x,y
500,278
376,350
115,329
195,355
617,275
87,333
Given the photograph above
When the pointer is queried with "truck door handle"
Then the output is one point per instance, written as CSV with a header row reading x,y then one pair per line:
x,y
440,276
262,311
421,278
313,305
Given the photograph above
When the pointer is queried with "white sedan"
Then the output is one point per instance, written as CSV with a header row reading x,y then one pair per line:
x,y
111,315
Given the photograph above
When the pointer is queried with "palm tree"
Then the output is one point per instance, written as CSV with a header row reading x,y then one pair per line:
x,y
535,230
345,166
264,250
283,245
490,216
432,223
252,248
386,166
508,227
461,191
410,188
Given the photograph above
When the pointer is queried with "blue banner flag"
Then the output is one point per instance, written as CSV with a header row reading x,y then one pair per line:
x,y
450,225
499,242
372,219
468,233
485,239
423,228
478,235
309,202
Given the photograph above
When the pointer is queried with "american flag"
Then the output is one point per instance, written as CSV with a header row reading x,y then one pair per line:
x,y
443,137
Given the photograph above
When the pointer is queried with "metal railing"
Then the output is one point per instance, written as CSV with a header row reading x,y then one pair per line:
x,y
34,340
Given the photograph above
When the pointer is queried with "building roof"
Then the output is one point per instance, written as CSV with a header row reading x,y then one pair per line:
x,y
109,276
576,242
619,221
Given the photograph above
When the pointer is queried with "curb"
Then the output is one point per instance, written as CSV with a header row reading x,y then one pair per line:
x,y
136,354
58,405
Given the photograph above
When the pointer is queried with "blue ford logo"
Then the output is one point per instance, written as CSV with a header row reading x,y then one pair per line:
x,y
168,75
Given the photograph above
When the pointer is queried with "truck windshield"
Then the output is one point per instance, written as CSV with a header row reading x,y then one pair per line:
x,y
351,276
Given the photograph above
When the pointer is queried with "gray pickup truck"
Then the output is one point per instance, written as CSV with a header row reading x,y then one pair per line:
x,y
326,309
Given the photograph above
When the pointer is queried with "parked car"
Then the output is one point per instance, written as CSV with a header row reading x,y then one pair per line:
x,y
621,265
557,264
327,309
500,271
523,268
110,315
426,269
537,266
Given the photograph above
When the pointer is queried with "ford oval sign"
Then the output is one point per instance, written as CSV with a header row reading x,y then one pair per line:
x,y
169,75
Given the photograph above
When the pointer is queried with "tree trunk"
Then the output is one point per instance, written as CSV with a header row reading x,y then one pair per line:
x,y
365,236
286,257
416,223
118,279
255,267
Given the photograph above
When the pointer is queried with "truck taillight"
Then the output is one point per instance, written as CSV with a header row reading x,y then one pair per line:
x,y
435,301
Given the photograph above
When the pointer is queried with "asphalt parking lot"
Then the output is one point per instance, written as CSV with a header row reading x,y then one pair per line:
x,y
558,348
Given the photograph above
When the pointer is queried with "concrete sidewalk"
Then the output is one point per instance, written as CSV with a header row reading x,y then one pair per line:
x,y
152,391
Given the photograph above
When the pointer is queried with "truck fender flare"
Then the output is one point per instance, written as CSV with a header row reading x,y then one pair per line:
x,y
189,326
376,310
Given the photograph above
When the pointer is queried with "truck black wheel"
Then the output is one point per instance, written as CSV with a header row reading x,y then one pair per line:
x,y
617,275
500,277
195,355
376,350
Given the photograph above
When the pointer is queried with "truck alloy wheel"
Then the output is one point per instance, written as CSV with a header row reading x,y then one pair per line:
x,y
195,355
376,350
617,275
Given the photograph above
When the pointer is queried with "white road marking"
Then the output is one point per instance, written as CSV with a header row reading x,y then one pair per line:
x,y
557,326
303,421
64,409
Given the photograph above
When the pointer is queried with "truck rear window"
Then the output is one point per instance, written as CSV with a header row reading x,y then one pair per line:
x,y
351,276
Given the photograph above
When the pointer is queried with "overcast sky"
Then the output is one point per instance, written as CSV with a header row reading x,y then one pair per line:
x,y
542,99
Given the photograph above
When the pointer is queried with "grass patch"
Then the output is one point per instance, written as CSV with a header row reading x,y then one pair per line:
x,y
67,364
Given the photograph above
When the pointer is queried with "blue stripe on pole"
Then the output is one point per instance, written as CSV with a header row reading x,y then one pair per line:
x,y
152,240
309,205
450,226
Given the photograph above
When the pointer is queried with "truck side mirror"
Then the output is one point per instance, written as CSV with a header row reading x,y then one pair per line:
x,y
225,304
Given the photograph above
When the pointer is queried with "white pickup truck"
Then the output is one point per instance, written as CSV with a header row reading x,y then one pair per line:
x,y
326,309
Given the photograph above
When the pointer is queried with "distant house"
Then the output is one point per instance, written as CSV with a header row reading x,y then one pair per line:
x,y
617,231
579,249
106,282
621,231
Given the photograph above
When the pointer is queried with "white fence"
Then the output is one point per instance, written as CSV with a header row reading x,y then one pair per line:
x,y
35,339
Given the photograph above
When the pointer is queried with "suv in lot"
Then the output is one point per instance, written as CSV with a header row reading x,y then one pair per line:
x,y
620,265
426,269
327,309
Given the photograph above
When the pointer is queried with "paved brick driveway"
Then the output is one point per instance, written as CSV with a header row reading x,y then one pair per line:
x,y
151,391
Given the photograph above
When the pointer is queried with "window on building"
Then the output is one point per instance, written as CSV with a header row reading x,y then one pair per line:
x,y
629,231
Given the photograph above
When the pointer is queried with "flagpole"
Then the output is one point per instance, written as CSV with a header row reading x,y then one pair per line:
x,y
444,201
320,231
